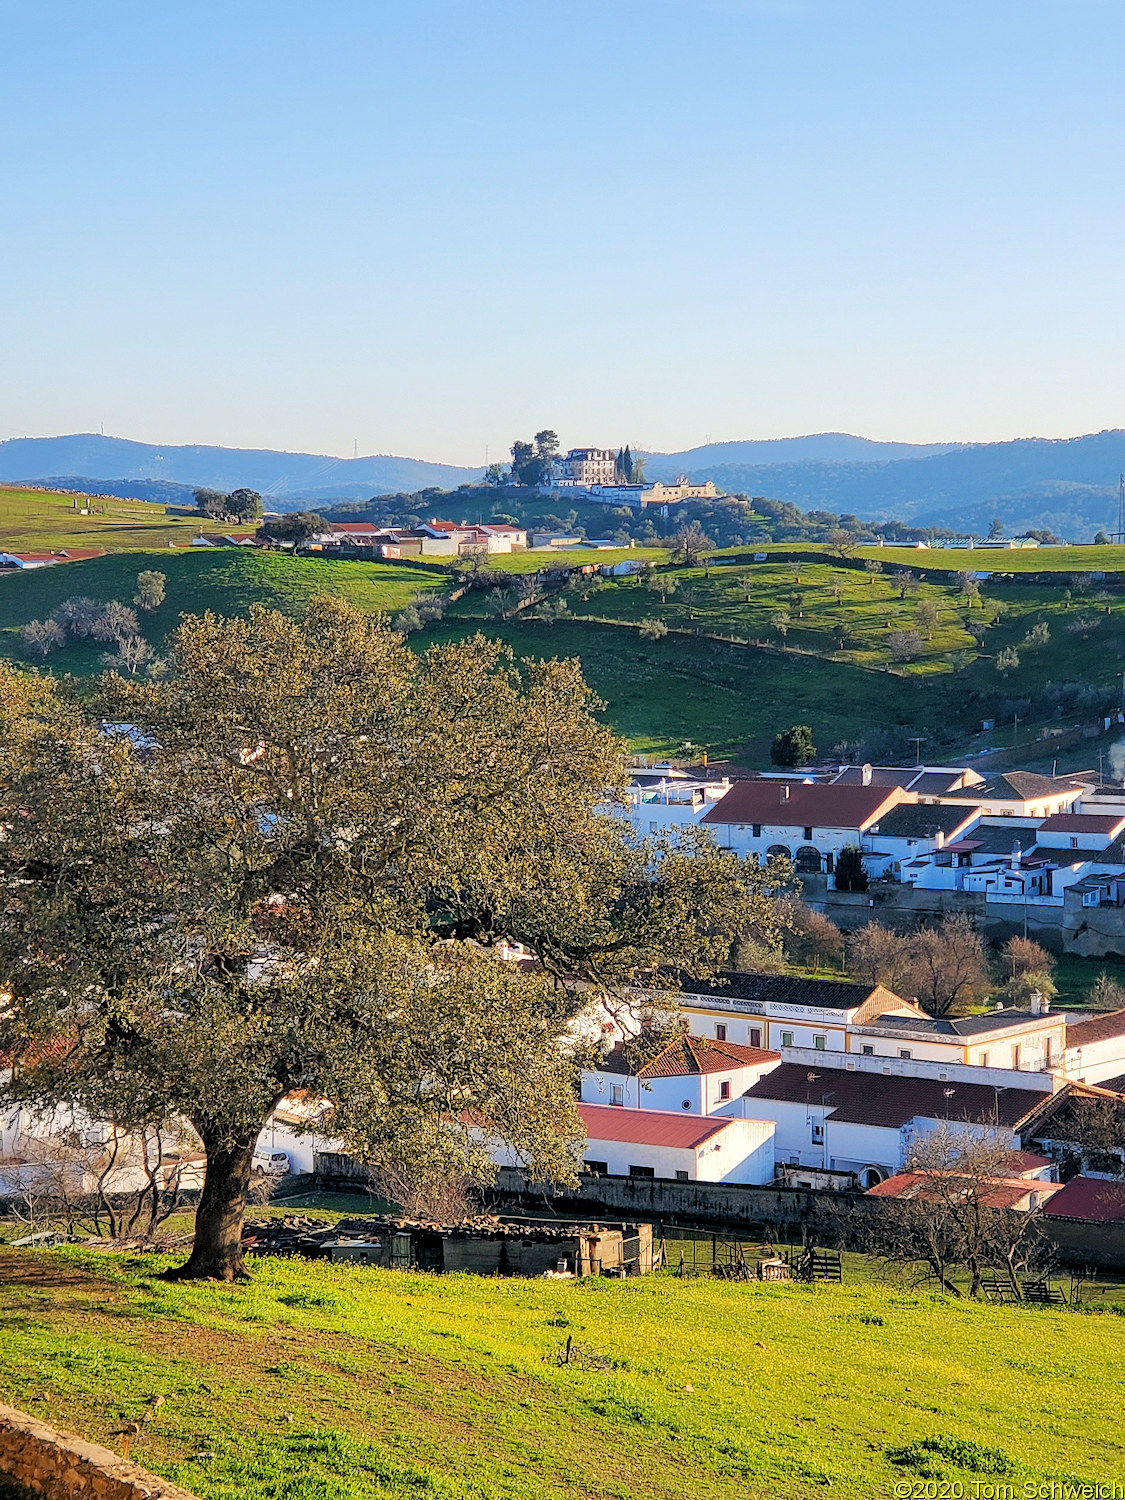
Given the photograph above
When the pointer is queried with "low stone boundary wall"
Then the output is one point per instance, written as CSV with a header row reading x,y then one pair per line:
x,y
61,1467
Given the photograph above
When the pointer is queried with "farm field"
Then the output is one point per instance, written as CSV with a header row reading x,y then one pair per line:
x,y
341,1383
47,521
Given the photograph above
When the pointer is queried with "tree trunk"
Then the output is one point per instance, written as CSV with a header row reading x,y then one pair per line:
x,y
217,1251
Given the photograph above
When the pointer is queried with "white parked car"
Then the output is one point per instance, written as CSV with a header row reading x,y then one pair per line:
x,y
271,1162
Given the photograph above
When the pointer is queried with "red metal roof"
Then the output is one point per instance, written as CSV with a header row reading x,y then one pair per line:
x,y
1083,823
996,1192
649,1127
795,804
1089,1198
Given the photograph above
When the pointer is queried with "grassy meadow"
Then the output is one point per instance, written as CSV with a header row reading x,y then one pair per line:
x,y
317,1382
49,521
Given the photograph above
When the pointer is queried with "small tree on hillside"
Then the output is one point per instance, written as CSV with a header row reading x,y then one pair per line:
x,y
115,622
793,747
904,645
297,528
928,614
653,630
851,874
41,637
150,589
691,544
211,503
244,505
1023,955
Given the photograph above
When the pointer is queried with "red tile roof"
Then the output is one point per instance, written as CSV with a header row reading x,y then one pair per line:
x,y
1000,1192
815,805
1089,1198
689,1055
649,1127
1096,1029
1083,823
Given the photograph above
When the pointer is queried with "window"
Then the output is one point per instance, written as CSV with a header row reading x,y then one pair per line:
x,y
868,1050
820,1043
642,1171
756,830
787,1039
818,1132
597,1168
1015,1057
905,1053
720,1032
681,1176
983,1059
616,1093
724,1089
808,835
1074,843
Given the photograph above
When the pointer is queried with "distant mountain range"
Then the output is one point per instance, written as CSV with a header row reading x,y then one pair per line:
x,y
281,477
1066,484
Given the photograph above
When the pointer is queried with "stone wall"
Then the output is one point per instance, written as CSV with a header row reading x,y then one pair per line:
x,y
61,1467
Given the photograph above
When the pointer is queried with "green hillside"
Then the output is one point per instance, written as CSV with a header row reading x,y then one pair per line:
x,y
225,580
749,648
47,521
334,1383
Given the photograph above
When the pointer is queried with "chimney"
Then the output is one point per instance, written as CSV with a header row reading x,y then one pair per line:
x,y
785,794
940,839
865,774
1017,855
1040,1004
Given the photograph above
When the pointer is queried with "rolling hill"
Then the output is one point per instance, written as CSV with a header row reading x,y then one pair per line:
x,y
281,476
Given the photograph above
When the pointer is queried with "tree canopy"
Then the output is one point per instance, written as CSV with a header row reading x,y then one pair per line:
x,y
293,872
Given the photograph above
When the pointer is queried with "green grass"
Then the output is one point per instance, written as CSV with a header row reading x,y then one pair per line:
x,y
1080,559
338,1383
35,521
571,557
224,580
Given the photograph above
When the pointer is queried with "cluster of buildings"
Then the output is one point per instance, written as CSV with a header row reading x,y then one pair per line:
x,y
595,474
1039,852
816,1083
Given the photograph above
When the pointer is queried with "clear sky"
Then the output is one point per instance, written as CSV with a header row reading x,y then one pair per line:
x,y
428,226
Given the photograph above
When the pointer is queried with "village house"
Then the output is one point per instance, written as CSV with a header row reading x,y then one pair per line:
x,y
867,1123
808,822
693,1074
1024,1188
680,1147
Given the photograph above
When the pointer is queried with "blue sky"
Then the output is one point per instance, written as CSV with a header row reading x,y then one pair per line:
x,y
427,226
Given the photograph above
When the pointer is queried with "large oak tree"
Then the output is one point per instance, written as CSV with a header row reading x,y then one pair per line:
x,y
289,864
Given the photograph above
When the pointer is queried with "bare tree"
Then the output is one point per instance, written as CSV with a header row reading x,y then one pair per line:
x,y
813,937
878,955
77,615
133,652
427,1195
115,622
947,966
953,1218
41,637
904,644
1023,955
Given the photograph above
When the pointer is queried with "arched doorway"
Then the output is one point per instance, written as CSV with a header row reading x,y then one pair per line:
x,y
870,1177
779,849
807,861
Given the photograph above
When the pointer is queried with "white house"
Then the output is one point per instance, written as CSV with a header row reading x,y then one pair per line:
x,y
783,1011
671,802
1095,1048
693,1074
810,822
683,1148
866,1122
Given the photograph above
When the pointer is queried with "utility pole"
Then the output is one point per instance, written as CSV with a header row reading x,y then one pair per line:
x,y
1015,730
918,740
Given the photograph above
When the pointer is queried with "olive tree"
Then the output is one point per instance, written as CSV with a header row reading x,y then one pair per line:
x,y
296,873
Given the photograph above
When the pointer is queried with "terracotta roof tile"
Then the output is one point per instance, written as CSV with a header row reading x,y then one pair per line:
x,y
1096,1029
816,805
